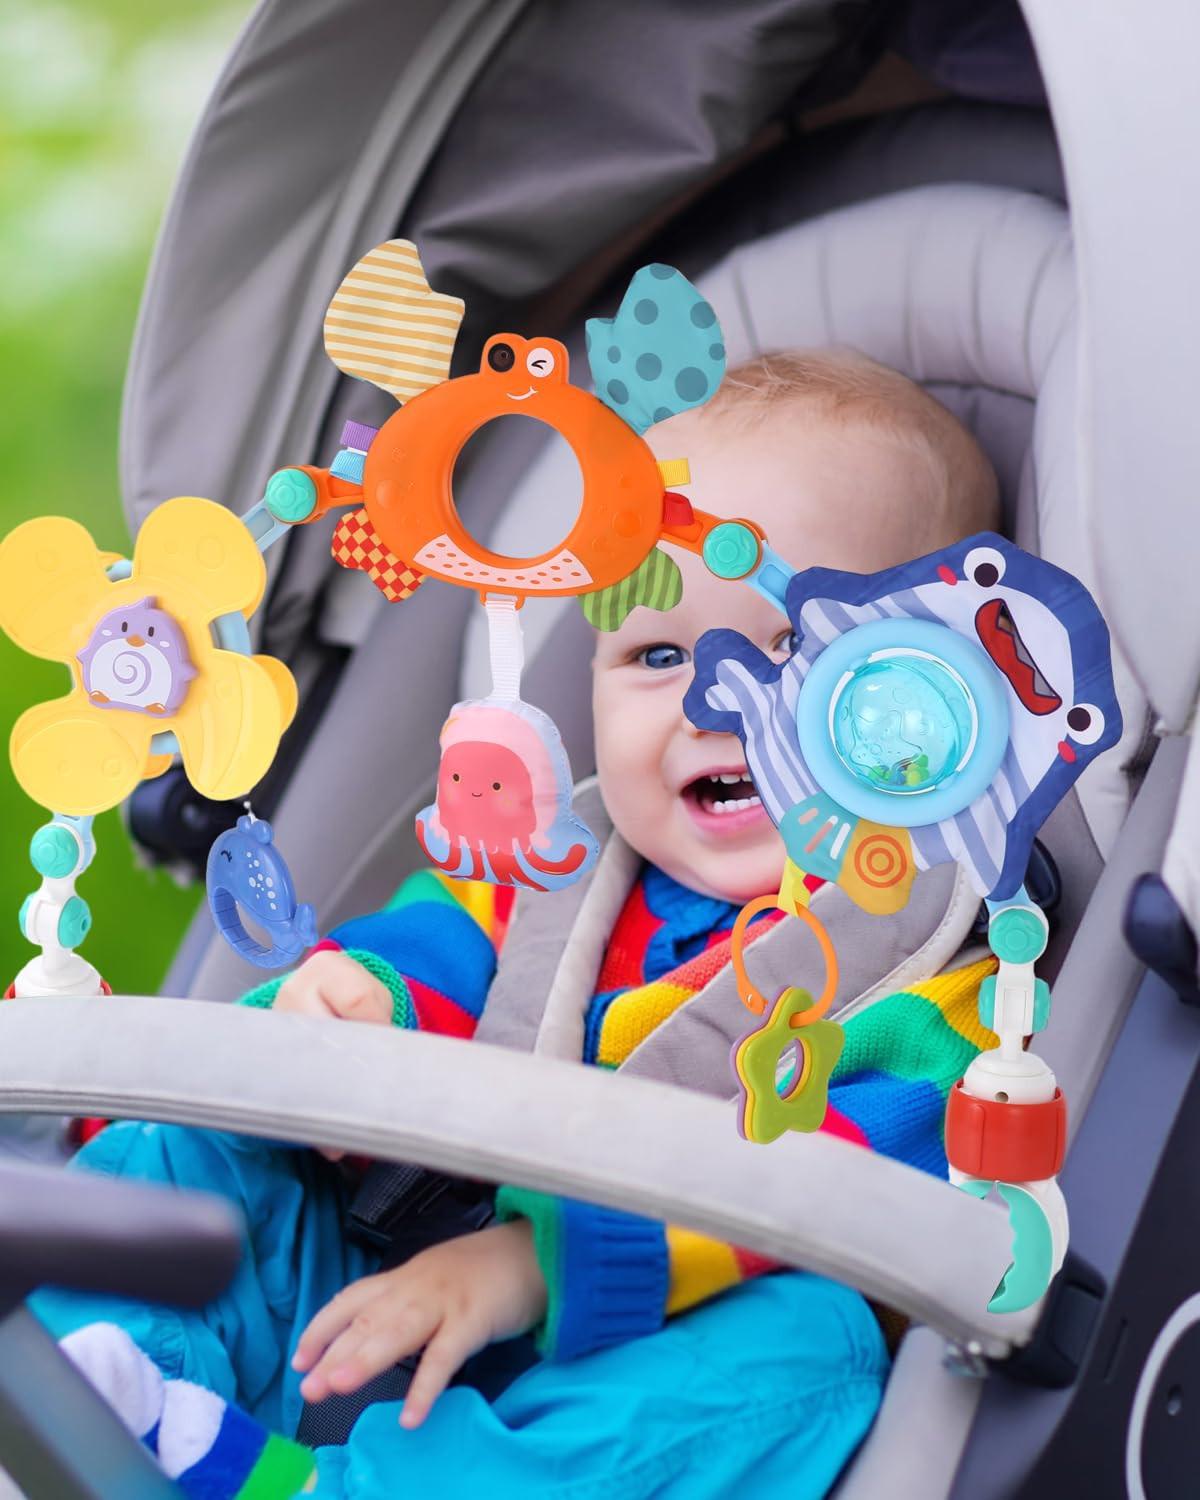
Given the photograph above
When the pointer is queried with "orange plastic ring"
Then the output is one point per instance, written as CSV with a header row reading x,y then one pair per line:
x,y
752,996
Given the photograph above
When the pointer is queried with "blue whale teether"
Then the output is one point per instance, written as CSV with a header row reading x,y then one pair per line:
x,y
246,870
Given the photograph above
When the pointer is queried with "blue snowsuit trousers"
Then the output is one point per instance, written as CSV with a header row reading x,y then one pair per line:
x,y
769,1388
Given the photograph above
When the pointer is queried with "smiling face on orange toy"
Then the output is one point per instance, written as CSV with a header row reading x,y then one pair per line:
x,y
409,469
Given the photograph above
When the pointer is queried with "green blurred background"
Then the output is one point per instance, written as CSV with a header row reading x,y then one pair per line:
x,y
97,103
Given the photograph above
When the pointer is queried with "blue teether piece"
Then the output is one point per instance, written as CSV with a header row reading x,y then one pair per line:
x,y
663,352
246,870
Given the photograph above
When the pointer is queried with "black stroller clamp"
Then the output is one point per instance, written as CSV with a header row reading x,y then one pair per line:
x,y
1054,1355
100,1236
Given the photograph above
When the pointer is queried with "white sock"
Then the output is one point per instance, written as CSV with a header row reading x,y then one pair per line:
x,y
129,1380
210,1446
191,1419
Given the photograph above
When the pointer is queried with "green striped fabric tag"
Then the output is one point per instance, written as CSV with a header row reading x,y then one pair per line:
x,y
657,583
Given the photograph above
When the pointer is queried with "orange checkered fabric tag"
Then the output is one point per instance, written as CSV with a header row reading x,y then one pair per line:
x,y
356,544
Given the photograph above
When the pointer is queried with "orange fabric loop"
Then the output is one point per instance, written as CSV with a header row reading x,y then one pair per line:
x,y
752,996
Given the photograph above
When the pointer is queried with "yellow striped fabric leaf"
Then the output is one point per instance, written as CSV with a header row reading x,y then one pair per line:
x,y
387,325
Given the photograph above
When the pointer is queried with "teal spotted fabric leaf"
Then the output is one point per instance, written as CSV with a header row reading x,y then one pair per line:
x,y
657,583
663,352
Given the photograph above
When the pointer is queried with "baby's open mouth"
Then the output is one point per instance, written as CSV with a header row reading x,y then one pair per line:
x,y
723,792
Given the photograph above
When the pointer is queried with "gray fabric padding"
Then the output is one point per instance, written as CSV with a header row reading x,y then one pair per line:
x,y
556,943
1135,225
1100,974
533,945
921,1432
691,1048
899,1235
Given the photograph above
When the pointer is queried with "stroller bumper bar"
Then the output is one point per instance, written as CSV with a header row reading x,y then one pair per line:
x,y
898,1235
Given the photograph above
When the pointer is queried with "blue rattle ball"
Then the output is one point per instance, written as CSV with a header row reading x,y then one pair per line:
x,y
903,724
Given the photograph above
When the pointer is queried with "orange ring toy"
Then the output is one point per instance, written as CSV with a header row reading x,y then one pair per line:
x,y
408,493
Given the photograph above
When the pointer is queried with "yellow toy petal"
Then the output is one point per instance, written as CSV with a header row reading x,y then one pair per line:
x,y
229,727
285,687
73,758
199,559
157,765
51,579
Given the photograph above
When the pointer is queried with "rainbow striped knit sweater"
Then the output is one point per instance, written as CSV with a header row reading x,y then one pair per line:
x,y
611,1275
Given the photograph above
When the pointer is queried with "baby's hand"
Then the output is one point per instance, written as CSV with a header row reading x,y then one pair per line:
x,y
333,984
452,1299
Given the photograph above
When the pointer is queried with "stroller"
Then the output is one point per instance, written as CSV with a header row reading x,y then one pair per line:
x,y
886,176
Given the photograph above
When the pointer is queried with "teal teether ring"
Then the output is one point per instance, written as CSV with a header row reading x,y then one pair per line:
x,y
290,496
731,550
74,923
53,852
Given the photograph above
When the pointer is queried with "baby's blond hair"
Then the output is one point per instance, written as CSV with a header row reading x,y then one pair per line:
x,y
848,385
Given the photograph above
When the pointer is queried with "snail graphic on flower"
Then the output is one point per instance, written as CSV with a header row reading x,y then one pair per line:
x,y
137,658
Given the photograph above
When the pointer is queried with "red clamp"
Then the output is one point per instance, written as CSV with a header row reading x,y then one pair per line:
x,y
1000,1141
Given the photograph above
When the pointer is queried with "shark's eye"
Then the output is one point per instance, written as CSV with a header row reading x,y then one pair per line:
x,y
501,357
984,566
456,777
1086,723
495,786
539,361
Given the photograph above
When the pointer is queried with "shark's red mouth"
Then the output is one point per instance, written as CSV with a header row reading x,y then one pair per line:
x,y
1002,641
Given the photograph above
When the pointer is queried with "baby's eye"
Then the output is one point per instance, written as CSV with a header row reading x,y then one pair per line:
x,y
662,656
786,644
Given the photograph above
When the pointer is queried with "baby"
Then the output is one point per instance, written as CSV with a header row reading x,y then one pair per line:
x,y
649,1380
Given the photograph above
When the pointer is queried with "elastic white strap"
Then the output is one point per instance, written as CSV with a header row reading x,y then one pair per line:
x,y
506,646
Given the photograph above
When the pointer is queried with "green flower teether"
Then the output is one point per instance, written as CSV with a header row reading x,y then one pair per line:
x,y
763,1113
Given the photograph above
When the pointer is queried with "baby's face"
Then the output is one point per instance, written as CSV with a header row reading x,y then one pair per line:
x,y
828,494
